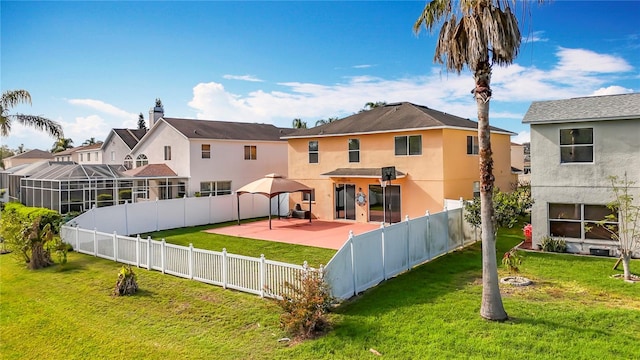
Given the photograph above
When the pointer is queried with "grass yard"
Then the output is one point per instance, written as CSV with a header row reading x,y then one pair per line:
x,y
293,254
574,311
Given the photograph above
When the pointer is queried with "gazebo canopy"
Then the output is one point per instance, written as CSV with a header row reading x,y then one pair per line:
x,y
270,186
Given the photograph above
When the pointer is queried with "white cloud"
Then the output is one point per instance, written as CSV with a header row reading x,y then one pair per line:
x,y
587,61
522,137
363,66
251,78
85,127
104,108
612,90
536,36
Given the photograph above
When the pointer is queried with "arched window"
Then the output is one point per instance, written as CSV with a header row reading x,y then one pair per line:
x,y
128,162
141,160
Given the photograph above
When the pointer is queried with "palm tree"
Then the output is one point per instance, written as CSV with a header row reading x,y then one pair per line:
x,y
478,34
372,105
323,121
299,124
89,141
61,145
12,98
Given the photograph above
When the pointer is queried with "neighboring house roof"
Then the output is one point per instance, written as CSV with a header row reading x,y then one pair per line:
x,y
394,117
225,130
130,137
90,147
360,173
32,154
68,151
593,108
151,170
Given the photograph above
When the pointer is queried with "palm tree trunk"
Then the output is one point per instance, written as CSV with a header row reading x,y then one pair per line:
x,y
626,259
491,307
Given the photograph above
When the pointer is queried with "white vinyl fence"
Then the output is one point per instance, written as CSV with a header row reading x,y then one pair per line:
x,y
252,275
149,216
367,259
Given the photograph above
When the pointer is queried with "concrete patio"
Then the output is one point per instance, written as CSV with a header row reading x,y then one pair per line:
x,y
318,233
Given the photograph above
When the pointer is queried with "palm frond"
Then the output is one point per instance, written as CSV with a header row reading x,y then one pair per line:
x,y
434,12
12,98
51,127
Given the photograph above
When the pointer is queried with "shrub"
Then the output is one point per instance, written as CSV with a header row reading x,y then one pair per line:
x,y
105,200
124,194
512,260
306,306
508,207
30,214
550,244
127,283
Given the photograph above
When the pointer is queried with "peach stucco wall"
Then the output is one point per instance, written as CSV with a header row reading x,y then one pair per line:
x,y
443,170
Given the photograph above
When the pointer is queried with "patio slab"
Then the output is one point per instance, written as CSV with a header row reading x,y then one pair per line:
x,y
318,233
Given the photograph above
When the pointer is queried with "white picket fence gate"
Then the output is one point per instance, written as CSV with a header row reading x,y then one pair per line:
x,y
259,276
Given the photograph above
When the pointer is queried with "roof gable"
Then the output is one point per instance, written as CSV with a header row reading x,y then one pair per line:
x,y
388,118
592,108
33,154
130,137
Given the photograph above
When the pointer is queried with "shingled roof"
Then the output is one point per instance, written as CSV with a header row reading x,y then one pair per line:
x,y
226,130
593,108
33,154
131,137
402,116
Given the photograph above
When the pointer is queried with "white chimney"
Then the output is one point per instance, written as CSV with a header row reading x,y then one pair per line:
x,y
155,113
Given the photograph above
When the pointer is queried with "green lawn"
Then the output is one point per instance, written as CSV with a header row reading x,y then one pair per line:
x,y
574,311
293,254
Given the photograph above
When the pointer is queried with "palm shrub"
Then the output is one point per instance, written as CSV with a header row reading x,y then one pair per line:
x,y
127,283
512,260
550,244
306,304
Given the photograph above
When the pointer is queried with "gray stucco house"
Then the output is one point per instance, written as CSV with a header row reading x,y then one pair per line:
x,y
576,144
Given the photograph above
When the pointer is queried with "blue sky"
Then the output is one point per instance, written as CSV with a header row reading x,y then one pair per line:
x,y
93,66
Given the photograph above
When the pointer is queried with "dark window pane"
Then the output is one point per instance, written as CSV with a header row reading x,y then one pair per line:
x,y
576,136
313,146
415,145
598,212
564,211
354,144
354,156
401,145
600,232
570,154
313,158
565,229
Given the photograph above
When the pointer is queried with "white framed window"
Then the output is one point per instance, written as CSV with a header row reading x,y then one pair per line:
x,y
167,152
579,221
313,152
81,157
96,154
128,162
354,150
476,189
113,156
408,145
142,160
215,188
306,196
88,156
473,146
206,151
250,152
576,145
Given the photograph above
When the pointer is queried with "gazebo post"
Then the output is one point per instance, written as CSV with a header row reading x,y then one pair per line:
x,y
278,206
309,207
270,212
238,203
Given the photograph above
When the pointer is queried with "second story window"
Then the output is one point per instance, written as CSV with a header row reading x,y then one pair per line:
x,y
167,152
88,156
313,152
81,157
206,151
576,145
408,145
473,147
354,150
250,152
142,160
113,156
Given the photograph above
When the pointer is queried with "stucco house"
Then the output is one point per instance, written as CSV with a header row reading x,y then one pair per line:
x,y
204,157
576,144
435,156
119,144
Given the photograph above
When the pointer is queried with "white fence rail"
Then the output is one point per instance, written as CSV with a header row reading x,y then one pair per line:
x,y
367,259
253,275
148,216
